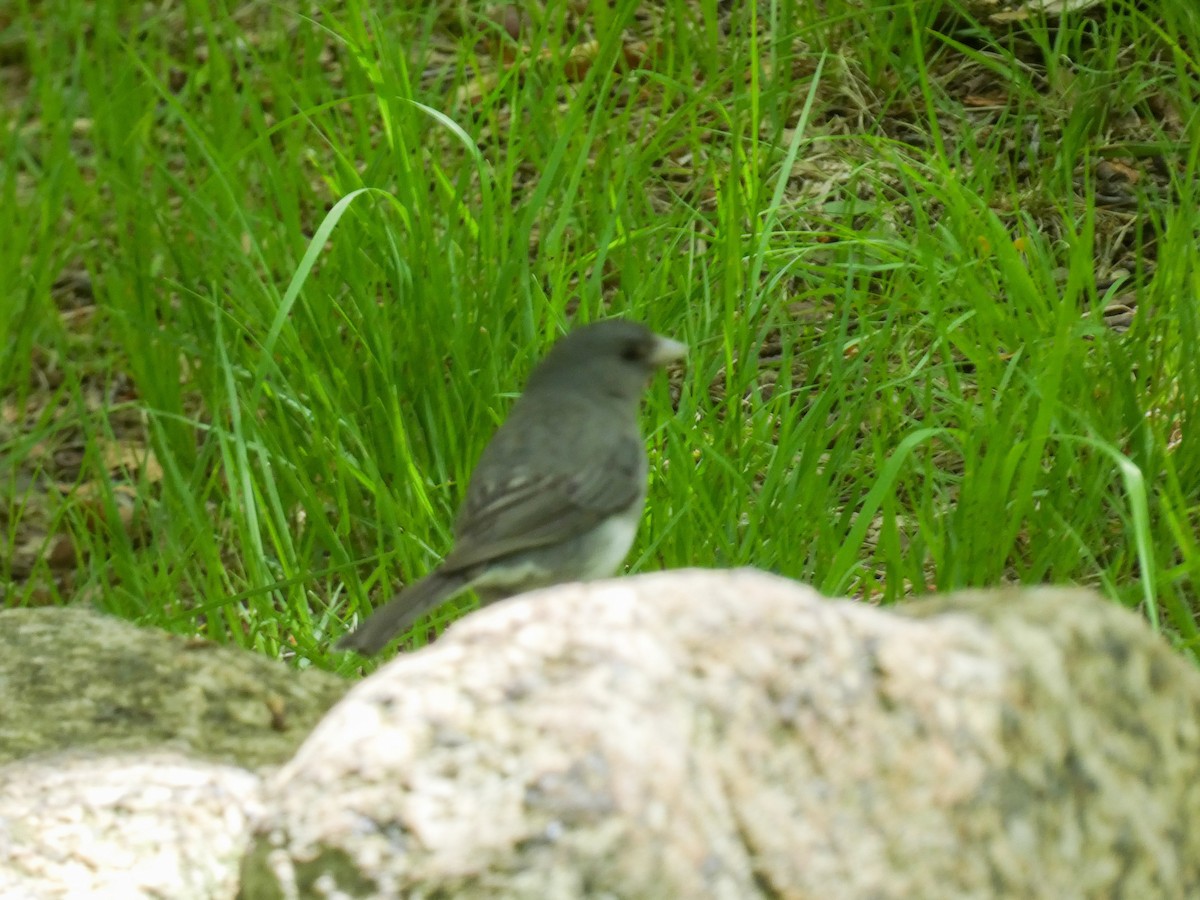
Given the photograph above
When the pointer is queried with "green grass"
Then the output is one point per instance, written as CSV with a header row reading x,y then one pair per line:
x,y
324,251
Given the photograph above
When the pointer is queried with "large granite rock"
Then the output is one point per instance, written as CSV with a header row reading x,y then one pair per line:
x,y
734,735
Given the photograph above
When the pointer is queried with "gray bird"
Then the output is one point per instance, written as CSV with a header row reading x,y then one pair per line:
x,y
558,493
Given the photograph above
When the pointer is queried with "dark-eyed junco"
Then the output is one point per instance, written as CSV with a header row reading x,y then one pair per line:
x,y
557,494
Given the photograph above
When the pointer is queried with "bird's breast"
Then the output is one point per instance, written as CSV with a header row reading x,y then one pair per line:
x,y
610,542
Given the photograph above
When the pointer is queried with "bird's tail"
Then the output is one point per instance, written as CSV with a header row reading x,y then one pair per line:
x,y
398,614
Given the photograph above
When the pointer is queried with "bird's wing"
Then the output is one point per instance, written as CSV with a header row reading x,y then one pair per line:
x,y
532,509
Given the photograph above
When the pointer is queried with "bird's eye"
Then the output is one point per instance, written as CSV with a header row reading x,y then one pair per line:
x,y
632,352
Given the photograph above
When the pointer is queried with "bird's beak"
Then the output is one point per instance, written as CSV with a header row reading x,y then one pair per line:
x,y
666,351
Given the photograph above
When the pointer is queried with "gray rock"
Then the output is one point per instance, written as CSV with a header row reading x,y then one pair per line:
x,y
72,679
734,735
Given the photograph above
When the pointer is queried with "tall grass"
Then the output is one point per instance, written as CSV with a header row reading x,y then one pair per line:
x,y
325,249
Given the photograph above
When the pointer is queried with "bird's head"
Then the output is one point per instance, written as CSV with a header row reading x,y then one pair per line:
x,y
614,356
